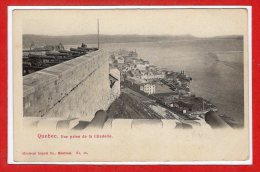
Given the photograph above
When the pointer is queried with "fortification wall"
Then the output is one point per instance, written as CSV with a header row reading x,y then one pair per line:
x,y
74,89
115,90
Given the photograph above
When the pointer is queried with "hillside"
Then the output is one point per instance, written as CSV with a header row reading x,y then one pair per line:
x,y
91,39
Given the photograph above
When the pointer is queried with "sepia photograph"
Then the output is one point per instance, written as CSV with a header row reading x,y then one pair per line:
x,y
165,85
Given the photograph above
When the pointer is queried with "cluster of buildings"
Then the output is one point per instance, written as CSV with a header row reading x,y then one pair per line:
x,y
178,82
136,73
191,105
142,77
146,74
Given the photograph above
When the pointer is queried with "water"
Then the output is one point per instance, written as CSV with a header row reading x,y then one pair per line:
x,y
218,79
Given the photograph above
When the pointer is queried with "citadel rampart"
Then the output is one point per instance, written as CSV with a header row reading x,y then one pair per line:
x,y
77,88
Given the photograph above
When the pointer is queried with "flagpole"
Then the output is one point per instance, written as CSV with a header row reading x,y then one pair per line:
x,y
98,31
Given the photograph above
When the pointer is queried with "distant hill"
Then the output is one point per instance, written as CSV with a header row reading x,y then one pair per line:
x,y
91,39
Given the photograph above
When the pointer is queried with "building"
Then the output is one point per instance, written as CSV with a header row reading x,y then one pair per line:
x,y
129,59
192,104
140,85
148,88
133,54
121,60
141,64
147,75
166,98
132,83
61,47
136,73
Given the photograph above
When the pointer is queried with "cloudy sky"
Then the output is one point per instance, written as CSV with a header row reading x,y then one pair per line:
x,y
197,22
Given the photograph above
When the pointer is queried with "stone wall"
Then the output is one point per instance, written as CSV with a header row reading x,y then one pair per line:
x,y
74,89
115,90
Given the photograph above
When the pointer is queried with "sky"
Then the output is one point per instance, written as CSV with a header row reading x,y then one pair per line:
x,y
196,22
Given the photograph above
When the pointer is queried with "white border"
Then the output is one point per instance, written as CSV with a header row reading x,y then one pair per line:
x,y
10,84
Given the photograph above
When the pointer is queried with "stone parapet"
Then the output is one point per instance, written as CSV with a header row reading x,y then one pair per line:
x,y
75,88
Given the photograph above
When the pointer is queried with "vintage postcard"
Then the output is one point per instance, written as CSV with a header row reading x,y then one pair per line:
x,y
130,85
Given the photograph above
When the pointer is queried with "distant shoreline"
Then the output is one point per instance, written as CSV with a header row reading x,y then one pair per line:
x,y
104,39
